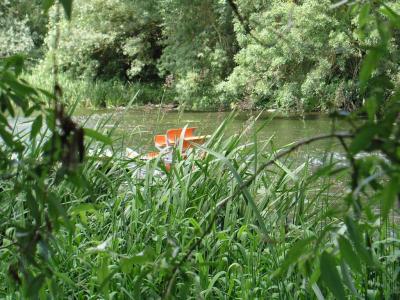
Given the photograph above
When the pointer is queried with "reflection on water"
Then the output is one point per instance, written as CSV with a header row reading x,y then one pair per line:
x,y
137,127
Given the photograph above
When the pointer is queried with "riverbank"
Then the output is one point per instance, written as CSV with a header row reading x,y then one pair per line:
x,y
103,93
116,94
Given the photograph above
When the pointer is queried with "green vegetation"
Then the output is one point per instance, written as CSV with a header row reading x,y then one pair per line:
x,y
246,221
22,28
103,93
287,55
129,232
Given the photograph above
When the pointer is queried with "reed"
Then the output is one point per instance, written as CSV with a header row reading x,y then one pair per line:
x,y
217,227
102,93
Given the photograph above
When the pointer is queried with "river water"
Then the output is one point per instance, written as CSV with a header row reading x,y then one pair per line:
x,y
136,127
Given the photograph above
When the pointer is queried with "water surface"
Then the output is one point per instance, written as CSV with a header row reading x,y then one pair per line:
x,y
136,127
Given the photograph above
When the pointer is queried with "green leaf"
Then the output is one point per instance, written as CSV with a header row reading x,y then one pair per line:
x,y
141,258
65,278
244,189
391,15
212,283
16,62
389,195
348,280
19,88
46,4
7,137
363,138
67,4
369,65
356,237
317,291
56,210
36,125
364,13
330,275
293,255
3,120
84,207
371,106
50,121
33,205
7,105
348,254
126,265
97,136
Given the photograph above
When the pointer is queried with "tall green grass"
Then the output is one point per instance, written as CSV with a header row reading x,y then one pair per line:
x,y
102,93
132,228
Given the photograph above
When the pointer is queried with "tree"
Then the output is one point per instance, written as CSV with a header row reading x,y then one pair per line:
x,y
23,27
199,44
15,34
309,58
107,39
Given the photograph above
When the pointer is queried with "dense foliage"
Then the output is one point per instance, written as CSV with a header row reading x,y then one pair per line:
x,y
23,26
308,58
15,35
108,39
240,223
309,63
289,55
